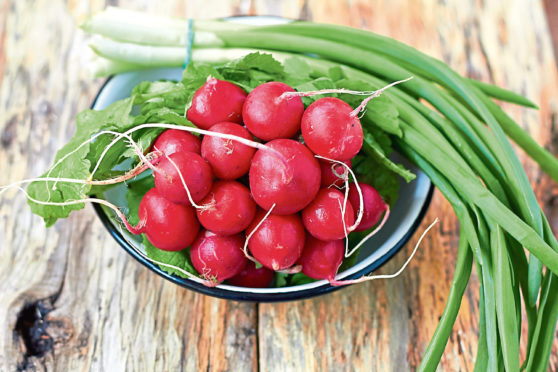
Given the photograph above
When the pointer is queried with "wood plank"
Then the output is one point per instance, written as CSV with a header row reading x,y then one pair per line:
x,y
99,309
387,325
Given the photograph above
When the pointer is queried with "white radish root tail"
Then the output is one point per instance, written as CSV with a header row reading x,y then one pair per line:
x,y
335,282
245,248
291,270
359,191
136,171
287,95
244,141
190,199
372,233
138,229
375,94
371,94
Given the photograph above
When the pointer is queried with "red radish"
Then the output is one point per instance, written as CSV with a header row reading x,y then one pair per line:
x,y
216,101
194,170
373,205
329,170
268,115
227,209
278,241
229,159
331,130
290,183
218,257
174,140
321,259
251,277
323,218
167,225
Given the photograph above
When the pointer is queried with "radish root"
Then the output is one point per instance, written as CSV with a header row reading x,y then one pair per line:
x,y
138,229
244,141
360,199
375,94
136,171
372,233
190,199
371,94
335,282
245,248
291,270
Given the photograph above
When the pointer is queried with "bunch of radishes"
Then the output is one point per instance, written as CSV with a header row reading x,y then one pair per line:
x,y
288,214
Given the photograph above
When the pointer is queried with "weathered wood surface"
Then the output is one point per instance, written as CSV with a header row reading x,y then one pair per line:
x,y
103,311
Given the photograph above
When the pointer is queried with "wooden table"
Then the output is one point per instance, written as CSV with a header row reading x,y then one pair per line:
x,y
103,311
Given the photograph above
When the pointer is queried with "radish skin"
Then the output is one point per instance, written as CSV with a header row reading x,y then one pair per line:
x,y
228,159
228,209
183,177
324,219
217,257
277,242
172,140
216,101
290,188
167,225
268,115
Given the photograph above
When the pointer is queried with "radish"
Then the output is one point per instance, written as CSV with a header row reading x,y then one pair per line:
x,y
373,206
227,209
324,219
333,174
167,225
218,257
290,183
183,177
268,115
173,140
251,277
278,241
321,259
216,101
332,129
228,159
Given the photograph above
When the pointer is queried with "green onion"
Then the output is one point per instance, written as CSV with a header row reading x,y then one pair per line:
x,y
460,144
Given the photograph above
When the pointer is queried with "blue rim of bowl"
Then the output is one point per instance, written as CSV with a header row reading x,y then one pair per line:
x,y
228,294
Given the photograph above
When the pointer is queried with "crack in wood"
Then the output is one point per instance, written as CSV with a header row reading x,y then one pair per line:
x,y
31,328
9,132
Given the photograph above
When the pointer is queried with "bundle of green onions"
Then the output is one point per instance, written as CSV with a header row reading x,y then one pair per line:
x,y
461,145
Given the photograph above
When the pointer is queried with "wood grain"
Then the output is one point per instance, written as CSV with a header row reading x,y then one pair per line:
x,y
94,308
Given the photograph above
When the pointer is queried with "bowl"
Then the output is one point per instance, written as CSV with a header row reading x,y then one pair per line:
x,y
406,216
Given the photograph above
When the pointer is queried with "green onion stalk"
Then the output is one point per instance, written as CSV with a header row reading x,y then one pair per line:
x,y
461,142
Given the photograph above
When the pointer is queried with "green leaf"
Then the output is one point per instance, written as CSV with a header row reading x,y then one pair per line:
x,y
316,84
280,279
180,259
300,278
117,119
134,194
297,71
373,148
370,171
77,163
195,75
253,70
336,73
258,61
